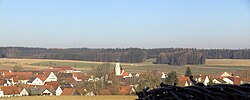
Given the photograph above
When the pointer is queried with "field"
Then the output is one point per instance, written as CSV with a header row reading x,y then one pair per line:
x,y
212,66
73,98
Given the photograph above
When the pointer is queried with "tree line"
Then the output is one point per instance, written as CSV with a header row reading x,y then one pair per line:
x,y
181,58
171,56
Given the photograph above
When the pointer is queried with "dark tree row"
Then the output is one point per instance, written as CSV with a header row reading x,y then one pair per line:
x,y
181,58
131,55
172,56
226,54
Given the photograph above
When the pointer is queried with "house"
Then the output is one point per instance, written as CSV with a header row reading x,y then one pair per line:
x,y
76,77
9,91
23,92
120,72
228,81
36,81
1,93
8,82
50,77
54,84
23,79
163,75
218,81
236,80
59,91
69,91
184,81
17,77
81,76
126,90
222,75
39,91
41,79
206,81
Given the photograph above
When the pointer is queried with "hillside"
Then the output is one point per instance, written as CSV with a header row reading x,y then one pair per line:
x,y
212,66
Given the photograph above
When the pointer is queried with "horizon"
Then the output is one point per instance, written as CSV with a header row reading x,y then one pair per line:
x,y
123,48
208,24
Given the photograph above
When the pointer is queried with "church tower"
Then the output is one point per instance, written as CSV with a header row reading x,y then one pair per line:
x,y
118,69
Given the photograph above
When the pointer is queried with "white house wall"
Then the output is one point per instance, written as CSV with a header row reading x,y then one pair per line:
x,y
1,93
59,91
37,81
228,81
51,77
24,92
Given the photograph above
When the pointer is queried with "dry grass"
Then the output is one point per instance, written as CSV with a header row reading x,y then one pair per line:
x,y
212,66
228,62
116,97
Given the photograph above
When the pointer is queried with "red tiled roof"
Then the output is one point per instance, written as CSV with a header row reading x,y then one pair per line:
x,y
15,79
43,76
125,90
9,90
23,77
235,79
55,84
83,76
8,73
125,74
68,91
13,74
182,80
23,86
43,86
3,70
23,73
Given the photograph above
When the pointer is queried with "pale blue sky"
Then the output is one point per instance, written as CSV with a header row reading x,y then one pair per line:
x,y
125,23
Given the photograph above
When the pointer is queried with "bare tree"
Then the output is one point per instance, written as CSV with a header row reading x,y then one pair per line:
x,y
102,71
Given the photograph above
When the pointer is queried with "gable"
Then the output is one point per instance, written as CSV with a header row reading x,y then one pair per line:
x,y
51,77
46,91
24,92
37,81
225,74
59,89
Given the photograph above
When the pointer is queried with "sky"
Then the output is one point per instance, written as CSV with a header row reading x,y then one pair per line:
x,y
125,23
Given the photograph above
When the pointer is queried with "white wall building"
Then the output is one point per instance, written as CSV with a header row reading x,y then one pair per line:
x,y
51,77
118,69
59,91
36,81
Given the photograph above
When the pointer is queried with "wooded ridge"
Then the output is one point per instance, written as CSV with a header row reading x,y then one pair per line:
x,y
171,56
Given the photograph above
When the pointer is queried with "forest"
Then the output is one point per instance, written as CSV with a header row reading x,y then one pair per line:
x,y
171,56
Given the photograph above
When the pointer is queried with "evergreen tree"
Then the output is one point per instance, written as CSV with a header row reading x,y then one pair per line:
x,y
188,72
172,78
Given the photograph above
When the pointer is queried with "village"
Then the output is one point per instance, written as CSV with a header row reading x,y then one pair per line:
x,y
59,80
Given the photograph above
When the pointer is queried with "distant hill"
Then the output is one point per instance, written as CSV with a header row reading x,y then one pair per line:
x,y
171,56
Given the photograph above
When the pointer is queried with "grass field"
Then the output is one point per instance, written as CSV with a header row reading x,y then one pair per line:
x,y
212,66
117,97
